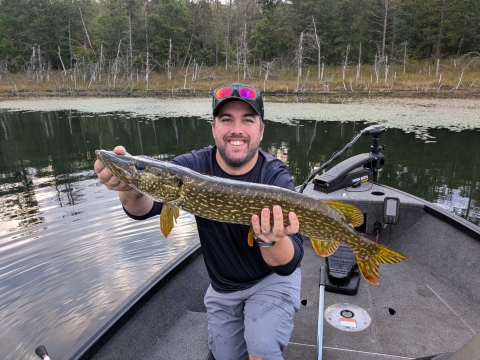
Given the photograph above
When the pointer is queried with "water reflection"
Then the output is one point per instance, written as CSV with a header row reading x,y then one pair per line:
x,y
68,254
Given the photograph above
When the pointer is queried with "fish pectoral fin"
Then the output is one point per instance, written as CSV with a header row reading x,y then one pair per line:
x,y
351,212
251,236
369,265
324,248
168,215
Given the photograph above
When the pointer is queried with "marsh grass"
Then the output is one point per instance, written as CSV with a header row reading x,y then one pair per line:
x,y
455,77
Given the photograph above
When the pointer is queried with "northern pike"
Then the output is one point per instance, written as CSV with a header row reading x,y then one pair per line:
x,y
326,223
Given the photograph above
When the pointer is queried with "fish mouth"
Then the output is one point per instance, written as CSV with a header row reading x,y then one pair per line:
x,y
121,166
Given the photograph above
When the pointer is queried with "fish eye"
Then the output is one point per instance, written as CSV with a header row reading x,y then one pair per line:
x,y
140,166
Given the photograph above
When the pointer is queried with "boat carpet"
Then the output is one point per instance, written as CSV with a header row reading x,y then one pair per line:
x,y
189,329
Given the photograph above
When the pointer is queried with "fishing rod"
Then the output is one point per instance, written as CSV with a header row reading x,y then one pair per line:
x,y
321,306
373,130
41,351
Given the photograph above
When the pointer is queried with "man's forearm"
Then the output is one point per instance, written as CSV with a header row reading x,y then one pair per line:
x,y
135,203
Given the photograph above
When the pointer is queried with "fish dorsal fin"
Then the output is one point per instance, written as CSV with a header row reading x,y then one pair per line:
x,y
324,248
167,216
353,214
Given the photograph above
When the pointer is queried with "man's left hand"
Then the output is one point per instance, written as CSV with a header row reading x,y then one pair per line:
x,y
263,229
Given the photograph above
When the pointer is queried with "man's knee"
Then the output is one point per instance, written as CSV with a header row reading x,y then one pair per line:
x,y
268,336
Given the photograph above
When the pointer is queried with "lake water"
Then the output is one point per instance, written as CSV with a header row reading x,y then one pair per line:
x,y
68,254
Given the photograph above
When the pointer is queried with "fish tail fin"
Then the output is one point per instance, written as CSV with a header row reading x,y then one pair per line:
x,y
369,265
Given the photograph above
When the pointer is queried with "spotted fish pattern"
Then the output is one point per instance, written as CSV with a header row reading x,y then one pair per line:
x,y
326,223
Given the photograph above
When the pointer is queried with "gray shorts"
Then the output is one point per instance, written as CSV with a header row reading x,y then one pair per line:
x,y
257,321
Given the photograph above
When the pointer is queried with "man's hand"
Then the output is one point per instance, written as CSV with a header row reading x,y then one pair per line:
x,y
132,200
264,231
106,177
283,250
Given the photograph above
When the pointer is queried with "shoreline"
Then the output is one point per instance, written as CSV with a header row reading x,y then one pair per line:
x,y
280,96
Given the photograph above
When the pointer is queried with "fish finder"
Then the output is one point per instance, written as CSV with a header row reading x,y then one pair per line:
x,y
391,207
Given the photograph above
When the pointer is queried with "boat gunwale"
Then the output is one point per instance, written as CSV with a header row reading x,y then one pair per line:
x,y
448,217
103,332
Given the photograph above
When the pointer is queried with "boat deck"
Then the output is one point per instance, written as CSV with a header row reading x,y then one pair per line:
x,y
426,305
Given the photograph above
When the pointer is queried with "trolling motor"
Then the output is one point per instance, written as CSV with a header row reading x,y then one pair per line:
x,y
357,169
342,272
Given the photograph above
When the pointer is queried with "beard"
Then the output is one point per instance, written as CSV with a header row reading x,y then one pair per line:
x,y
238,162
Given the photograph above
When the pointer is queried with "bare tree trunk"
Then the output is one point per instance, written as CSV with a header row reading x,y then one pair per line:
x,y
217,21
70,38
189,46
63,66
186,71
130,64
440,33
300,61
115,64
345,63
377,64
169,64
386,68
385,17
266,76
40,63
245,68
359,61
317,41
227,40
394,33
100,63
404,58
147,63
86,32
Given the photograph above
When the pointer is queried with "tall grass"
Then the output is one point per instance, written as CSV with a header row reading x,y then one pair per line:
x,y
456,77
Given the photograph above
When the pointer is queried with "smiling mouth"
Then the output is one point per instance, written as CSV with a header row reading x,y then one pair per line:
x,y
236,142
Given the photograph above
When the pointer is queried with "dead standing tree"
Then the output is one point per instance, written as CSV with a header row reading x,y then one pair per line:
x,y
344,67
227,35
318,47
147,62
169,63
299,61
382,16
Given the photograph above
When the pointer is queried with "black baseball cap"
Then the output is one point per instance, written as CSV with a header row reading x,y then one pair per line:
x,y
237,92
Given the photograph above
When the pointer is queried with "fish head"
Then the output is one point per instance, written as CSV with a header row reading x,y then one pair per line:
x,y
149,176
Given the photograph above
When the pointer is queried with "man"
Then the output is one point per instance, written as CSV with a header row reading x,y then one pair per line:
x,y
254,291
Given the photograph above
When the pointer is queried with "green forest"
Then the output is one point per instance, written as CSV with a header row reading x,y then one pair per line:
x,y
136,39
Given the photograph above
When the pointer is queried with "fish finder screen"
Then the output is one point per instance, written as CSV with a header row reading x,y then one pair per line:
x,y
391,207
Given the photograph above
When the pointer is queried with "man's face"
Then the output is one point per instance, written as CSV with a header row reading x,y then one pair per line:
x,y
238,131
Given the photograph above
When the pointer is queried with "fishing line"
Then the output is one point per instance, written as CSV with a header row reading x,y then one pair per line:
x,y
335,155
373,130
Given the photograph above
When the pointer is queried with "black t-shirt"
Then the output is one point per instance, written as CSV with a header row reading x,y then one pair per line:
x,y
231,263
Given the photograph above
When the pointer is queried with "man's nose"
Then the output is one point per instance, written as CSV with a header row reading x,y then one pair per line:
x,y
237,126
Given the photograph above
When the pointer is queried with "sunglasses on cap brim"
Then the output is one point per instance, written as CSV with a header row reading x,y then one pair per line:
x,y
244,92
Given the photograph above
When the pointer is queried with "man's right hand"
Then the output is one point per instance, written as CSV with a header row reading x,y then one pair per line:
x,y
132,200
107,178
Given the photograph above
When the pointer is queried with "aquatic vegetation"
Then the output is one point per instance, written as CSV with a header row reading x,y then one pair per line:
x,y
410,115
